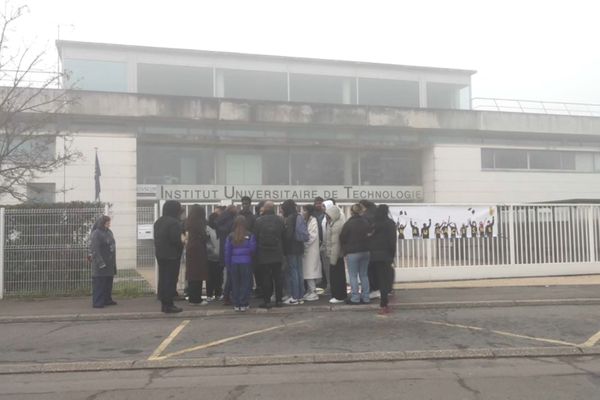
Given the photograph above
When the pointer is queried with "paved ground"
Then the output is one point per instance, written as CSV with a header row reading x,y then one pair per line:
x,y
300,333
536,379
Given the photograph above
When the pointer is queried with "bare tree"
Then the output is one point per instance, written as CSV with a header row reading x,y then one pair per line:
x,y
31,103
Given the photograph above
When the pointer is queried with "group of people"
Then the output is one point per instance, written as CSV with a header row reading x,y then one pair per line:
x,y
448,229
276,251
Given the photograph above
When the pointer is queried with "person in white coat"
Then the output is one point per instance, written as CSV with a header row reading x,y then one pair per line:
x,y
311,262
337,269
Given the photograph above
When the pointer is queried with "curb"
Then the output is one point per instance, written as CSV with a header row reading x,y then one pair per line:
x,y
296,310
295,359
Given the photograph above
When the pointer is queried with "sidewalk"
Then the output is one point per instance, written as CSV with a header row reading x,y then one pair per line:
x,y
455,294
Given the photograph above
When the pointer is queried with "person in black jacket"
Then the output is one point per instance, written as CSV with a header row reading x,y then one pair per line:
x,y
354,240
168,249
270,235
383,250
104,262
293,250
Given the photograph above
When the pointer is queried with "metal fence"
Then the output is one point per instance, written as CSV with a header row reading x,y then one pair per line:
x,y
43,251
531,240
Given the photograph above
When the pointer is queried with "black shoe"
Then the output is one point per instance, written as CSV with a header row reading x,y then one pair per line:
x,y
171,309
278,304
265,305
352,303
111,303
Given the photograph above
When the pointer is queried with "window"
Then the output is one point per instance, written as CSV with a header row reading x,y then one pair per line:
x,y
510,159
387,168
243,169
320,89
537,160
175,80
323,167
444,95
388,92
96,75
257,85
171,165
41,192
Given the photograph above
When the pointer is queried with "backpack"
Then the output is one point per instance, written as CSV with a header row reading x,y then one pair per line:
x,y
301,230
269,237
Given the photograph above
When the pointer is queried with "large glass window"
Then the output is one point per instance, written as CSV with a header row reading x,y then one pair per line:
x,y
168,164
444,95
323,167
539,160
319,89
256,85
390,168
175,80
388,92
96,75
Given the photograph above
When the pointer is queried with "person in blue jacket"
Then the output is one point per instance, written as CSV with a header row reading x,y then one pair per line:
x,y
239,250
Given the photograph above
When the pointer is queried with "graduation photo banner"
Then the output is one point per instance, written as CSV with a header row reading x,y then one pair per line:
x,y
452,221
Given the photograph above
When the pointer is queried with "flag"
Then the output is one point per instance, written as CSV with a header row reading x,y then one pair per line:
x,y
97,174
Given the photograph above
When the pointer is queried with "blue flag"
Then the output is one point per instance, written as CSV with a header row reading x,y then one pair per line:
x,y
97,174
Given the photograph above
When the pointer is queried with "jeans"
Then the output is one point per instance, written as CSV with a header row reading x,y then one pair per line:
x,y
295,275
241,282
358,266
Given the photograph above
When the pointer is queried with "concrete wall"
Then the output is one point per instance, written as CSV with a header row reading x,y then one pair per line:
x,y
459,178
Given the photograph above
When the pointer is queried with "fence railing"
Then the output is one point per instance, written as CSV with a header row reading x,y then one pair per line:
x,y
43,252
535,107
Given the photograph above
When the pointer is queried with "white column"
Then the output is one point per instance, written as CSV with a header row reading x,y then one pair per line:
x,y
422,94
347,92
156,215
220,84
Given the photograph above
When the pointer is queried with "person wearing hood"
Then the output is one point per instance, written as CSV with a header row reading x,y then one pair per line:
x,y
382,246
104,262
168,249
337,268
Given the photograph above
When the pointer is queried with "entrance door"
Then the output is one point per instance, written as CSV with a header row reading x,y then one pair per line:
x,y
243,169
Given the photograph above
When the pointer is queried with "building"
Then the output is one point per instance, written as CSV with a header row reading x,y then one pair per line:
x,y
202,126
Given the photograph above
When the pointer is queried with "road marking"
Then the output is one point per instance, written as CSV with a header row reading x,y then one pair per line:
x,y
167,341
503,333
225,340
591,341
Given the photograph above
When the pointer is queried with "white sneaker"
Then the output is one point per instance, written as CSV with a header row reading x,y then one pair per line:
x,y
333,300
375,294
273,299
290,301
311,297
320,290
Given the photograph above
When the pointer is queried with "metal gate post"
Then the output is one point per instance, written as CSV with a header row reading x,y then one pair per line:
x,y
155,261
511,235
591,234
2,225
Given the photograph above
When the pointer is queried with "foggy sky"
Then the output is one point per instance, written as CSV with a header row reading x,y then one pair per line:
x,y
527,49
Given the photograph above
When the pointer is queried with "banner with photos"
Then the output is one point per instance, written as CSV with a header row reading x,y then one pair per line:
x,y
434,221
